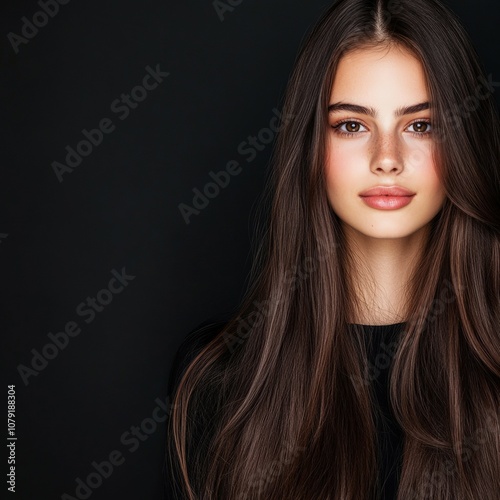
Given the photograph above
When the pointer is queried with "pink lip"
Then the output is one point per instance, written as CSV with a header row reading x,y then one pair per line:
x,y
387,191
387,197
387,202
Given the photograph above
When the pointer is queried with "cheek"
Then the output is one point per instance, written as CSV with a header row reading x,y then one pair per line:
x,y
428,183
429,178
343,167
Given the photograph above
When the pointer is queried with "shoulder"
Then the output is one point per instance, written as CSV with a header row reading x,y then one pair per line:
x,y
194,341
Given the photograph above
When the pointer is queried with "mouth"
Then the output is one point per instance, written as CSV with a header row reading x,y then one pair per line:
x,y
387,197
387,191
387,202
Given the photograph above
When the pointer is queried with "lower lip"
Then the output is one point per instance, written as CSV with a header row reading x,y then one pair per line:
x,y
387,202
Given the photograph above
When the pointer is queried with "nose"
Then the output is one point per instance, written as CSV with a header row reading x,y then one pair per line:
x,y
386,155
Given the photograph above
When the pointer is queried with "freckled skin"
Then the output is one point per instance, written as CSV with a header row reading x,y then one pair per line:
x,y
383,151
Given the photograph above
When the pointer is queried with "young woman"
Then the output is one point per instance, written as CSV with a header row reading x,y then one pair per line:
x,y
364,362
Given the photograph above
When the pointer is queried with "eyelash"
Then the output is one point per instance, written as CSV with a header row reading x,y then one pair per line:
x,y
337,126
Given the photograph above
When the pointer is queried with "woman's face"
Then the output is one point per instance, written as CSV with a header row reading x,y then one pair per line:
x,y
380,135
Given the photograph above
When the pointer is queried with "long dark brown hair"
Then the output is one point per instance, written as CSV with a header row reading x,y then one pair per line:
x,y
292,420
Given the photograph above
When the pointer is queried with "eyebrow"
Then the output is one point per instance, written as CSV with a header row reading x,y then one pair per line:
x,y
356,108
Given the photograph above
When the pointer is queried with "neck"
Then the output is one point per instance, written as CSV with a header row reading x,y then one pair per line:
x,y
379,272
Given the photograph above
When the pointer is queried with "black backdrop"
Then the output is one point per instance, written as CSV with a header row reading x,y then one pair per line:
x,y
101,220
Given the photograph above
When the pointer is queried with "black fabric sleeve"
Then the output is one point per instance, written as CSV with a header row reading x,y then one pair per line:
x,y
192,344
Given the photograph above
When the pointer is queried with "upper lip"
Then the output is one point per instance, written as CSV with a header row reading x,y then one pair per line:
x,y
387,191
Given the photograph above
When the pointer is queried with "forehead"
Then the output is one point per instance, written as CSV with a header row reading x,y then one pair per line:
x,y
381,74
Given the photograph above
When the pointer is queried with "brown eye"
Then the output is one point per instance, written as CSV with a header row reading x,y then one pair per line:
x,y
348,128
420,127
352,126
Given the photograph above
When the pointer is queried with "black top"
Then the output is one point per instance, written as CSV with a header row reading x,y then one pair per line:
x,y
381,345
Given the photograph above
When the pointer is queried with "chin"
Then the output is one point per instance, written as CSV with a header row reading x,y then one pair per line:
x,y
388,234
384,231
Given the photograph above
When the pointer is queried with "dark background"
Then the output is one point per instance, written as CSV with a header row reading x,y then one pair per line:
x,y
59,241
